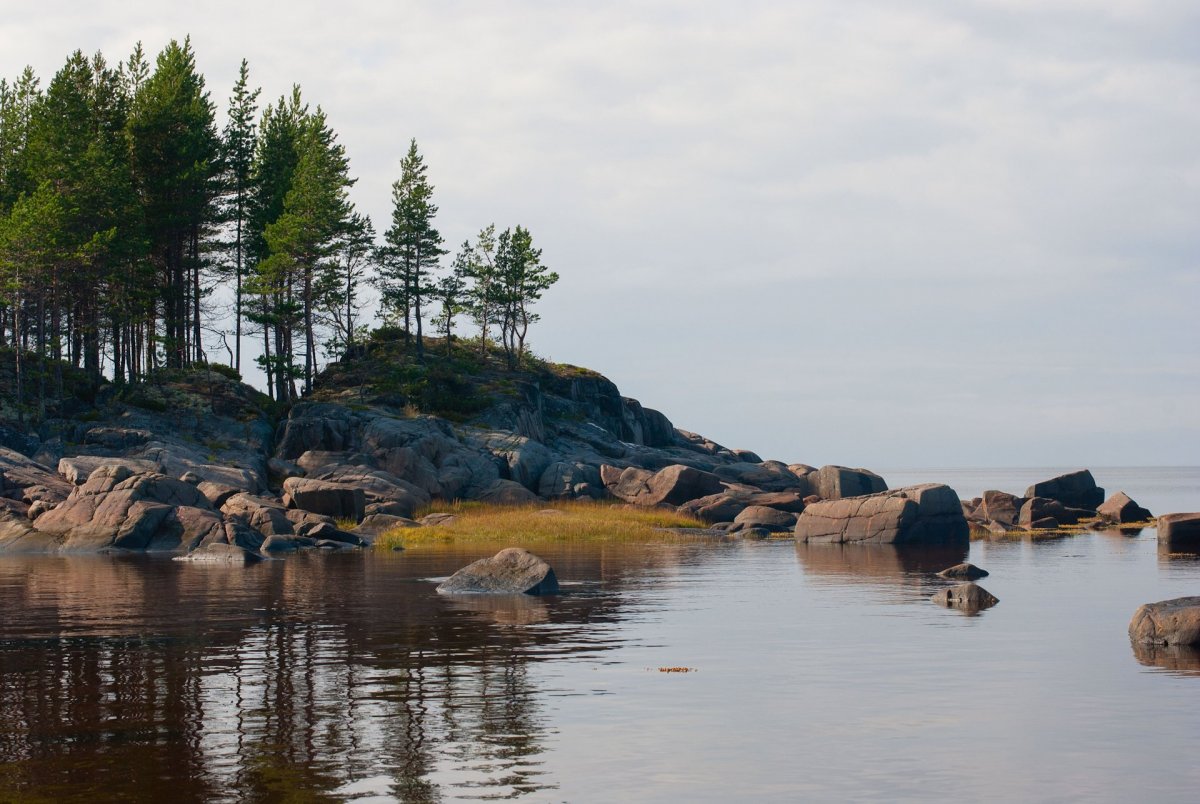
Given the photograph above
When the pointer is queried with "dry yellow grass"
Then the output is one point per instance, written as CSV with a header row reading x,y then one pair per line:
x,y
559,521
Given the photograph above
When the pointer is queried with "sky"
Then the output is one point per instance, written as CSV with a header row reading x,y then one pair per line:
x,y
938,233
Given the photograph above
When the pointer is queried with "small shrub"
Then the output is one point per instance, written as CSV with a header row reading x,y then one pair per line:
x,y
226,371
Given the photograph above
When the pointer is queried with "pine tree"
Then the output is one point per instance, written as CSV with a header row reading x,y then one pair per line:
x,y
414,246
175,149
452,291
238,146
522,280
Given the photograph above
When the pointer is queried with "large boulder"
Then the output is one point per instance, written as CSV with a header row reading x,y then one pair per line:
x,y
377,485
1120,509
769,519
964,571
1000,506
770,476
508,492
714,508
511,571
266,516
1168,622
839,482
1179,533
673,485
77,469
925,514
1039,509
340,500
118,509
1074,490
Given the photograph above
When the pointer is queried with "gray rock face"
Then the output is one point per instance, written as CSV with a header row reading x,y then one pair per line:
x,y
839,482
965,596
966,571
999,506
1119,509
769,519
325,497
673,485
1168,622
714,508
377,486
221,553
1074,489
1035,512
1179,533
511,571
926,514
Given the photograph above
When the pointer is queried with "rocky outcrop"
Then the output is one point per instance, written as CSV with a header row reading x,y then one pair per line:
x,y
1168,622
926,514
511,571
1073,490
1179,533
673,485
340,500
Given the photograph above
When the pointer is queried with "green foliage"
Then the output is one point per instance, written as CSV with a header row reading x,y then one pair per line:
x,y
226,371
414,246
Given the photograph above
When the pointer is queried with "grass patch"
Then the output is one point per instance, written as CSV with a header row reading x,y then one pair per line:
x,y
564,521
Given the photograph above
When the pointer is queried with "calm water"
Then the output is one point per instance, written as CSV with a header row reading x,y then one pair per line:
x,y
820,673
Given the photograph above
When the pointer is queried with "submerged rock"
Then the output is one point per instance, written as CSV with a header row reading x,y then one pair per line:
x,y
221,553
1168,622
966,596
511,571
966,571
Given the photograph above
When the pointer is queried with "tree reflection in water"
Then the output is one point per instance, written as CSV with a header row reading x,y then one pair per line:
x,y
318,677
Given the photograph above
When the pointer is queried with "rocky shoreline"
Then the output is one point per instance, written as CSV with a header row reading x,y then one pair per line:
x,y
206,466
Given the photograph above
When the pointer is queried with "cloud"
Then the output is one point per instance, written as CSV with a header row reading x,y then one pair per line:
x,y
779,214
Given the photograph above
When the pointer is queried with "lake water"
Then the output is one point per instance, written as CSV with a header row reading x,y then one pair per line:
x,y
817,673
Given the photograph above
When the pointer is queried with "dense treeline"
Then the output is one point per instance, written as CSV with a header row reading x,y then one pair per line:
x,y
135,235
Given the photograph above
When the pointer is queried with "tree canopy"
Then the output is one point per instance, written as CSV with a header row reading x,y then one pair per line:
x,y
138,234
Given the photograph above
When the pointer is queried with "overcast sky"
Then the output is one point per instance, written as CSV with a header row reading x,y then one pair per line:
x,y
959,233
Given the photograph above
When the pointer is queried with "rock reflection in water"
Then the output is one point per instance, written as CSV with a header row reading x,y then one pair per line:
x,y
156,680
1180,660
880,564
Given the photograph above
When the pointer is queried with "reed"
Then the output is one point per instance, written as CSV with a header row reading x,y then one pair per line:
x,y
576,520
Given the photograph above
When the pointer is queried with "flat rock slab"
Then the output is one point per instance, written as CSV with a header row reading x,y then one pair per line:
x,y
1168,622
966,596
511,571
966,571
925,514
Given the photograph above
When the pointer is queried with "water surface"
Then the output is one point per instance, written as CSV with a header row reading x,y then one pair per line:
x,y
818,672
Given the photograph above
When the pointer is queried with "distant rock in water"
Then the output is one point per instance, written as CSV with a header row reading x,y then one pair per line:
x,y
966,571
1168,622
966,596
511,571
1120,508
1179,533
925,514
1074,490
